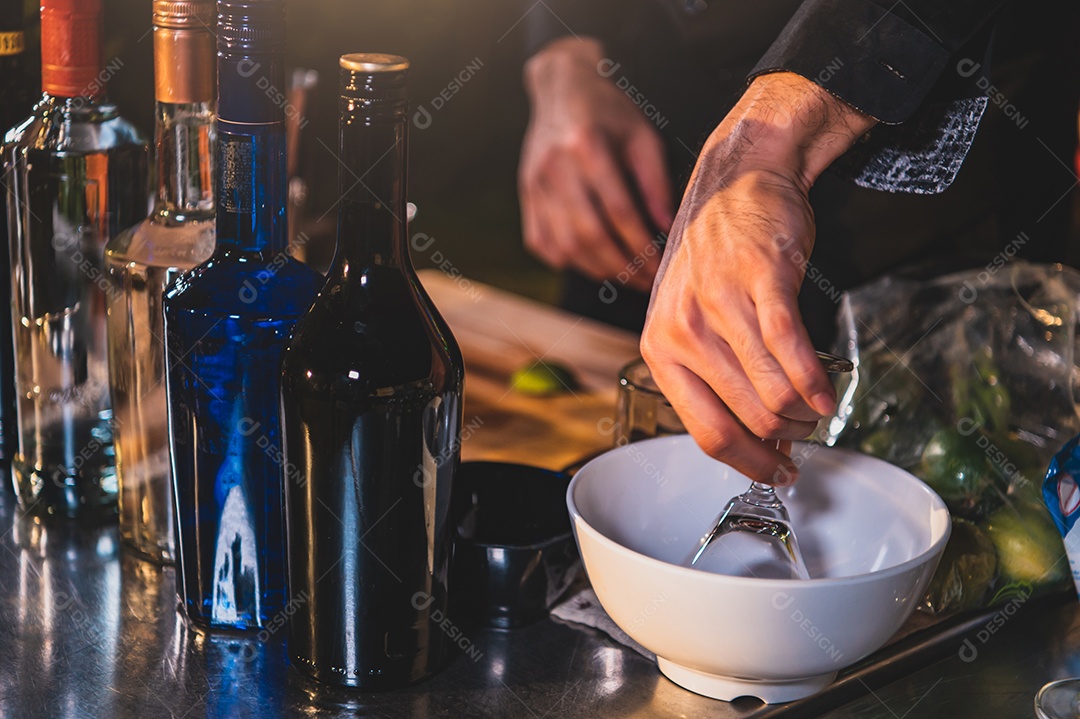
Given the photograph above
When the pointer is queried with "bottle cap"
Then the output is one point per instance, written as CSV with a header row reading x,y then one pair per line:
x,y
367,62
251,26
71,48
251,61
374,81
184,62
181,14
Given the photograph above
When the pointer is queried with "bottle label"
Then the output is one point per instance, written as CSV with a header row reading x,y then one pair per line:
x,y
1061,492
235,193
12,43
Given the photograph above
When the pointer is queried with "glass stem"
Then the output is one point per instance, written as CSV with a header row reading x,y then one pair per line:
x,y
761,495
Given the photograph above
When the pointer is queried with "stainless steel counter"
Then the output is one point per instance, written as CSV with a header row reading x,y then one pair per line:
x,y
88,631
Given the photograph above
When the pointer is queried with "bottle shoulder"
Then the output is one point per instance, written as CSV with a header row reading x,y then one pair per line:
x,y
372,305
380,334
156,243
56,127
280,288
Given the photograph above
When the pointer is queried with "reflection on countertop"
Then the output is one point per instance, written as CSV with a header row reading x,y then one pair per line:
x,y
89,631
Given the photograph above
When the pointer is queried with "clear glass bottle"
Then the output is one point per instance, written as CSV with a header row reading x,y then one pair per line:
x,y
226,324
16,99
77,176
371,405
141,262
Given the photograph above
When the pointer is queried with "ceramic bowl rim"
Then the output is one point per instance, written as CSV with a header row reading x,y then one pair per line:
x,y
922,558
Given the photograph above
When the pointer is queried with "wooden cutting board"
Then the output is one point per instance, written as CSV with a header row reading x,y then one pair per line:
x,y
499,333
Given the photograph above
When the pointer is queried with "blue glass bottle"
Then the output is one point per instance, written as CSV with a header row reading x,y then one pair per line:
x,y
226,325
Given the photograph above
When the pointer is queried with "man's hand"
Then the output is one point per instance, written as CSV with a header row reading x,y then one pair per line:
x,y
724,337
588,151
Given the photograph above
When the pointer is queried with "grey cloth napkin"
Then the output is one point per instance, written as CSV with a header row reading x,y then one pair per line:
x,y
583,607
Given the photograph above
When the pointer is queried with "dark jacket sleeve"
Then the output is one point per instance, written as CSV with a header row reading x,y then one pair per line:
x,y
883,58
918,65
547,20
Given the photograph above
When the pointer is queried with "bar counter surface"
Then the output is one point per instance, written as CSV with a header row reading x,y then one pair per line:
x,y
87,630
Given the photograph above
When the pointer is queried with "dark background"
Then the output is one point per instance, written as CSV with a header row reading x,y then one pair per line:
x,y
462,166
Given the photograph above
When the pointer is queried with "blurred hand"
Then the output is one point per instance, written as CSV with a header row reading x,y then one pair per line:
x,y
588,152
724,337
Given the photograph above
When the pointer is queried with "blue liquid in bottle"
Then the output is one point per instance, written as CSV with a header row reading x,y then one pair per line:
x,y
226,326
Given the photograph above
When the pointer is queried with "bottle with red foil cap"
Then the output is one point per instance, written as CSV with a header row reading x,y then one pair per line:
x,y
75,176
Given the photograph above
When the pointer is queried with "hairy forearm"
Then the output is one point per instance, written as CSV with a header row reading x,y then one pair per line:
x,y
785,124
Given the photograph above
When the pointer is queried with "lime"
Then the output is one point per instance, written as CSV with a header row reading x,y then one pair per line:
x,y
955,466
543,379
1029,546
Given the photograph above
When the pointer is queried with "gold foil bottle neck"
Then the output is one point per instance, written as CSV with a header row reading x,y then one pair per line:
x,y
184,56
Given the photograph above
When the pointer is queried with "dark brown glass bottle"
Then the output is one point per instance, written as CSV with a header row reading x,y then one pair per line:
x,y
371,408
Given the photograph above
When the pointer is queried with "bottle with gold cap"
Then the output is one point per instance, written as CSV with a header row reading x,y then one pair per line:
x,y
371,405
142,261
76,176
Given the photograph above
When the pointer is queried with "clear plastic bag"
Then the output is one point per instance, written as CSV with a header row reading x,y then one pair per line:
x,y
970,381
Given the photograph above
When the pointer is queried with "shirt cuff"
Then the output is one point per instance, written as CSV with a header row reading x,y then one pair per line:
x,y
860,52
921,156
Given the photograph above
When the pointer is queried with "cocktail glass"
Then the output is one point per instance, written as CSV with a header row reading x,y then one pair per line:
x,y
757,518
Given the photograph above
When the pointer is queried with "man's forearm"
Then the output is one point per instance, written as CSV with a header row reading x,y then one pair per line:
x,y
557,60
787,124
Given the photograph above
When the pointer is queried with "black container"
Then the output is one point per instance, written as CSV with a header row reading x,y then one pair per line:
x,y
514,550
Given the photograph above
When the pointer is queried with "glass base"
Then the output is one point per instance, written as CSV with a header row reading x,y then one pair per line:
x,y
58,494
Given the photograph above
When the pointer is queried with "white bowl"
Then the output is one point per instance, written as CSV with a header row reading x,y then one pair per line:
x,y
871,533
